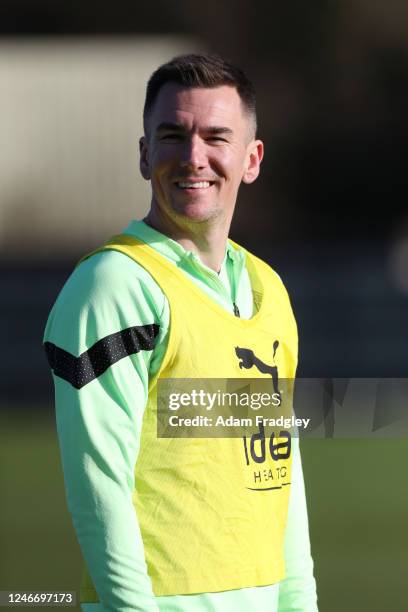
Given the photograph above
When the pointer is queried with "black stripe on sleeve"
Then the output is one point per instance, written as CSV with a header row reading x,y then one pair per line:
x,y
79,371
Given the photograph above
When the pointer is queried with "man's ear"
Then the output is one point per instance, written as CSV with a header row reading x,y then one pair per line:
x,y
253,161
144,158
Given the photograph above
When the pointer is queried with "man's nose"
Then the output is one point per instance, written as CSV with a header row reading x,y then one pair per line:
x,y
194,153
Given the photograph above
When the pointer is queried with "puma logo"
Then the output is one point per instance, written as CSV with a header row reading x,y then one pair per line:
x,y
248,359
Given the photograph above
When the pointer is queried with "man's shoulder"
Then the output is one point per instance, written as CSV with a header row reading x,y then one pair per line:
x,y
106,293
108,275
262,267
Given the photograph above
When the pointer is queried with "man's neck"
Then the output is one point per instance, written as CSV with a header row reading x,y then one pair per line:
x,y
207,241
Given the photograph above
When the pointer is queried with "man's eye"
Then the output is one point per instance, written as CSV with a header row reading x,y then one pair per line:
x,y
171,137
216,139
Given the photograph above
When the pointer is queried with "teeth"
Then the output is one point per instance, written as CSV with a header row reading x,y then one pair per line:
x,y
202,185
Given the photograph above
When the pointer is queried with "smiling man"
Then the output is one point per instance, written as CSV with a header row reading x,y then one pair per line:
x,y
186,525
199,146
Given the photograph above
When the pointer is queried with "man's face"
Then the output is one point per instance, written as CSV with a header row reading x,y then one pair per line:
x,y
198,148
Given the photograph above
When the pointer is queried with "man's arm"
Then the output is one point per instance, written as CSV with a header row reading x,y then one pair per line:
x,y
297,592
99,423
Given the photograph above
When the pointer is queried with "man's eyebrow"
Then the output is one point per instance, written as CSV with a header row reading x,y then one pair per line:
x,y
219,130
177,127
165,125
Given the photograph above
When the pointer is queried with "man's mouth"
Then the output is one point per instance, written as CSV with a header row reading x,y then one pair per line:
x,y
194,184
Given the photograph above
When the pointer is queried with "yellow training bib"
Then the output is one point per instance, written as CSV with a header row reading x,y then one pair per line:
x,y
213,511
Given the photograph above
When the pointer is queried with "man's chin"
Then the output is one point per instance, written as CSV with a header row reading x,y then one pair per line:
x,y
197,213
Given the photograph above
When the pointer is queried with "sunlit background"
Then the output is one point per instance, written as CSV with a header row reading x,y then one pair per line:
x,y
328,212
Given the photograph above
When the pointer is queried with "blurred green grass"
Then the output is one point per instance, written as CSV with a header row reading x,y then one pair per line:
x,y
358,508
38,546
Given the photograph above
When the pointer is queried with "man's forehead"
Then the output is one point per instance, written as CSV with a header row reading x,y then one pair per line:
x,y
177,103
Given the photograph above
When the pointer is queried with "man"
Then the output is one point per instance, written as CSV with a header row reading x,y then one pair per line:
x,y
179,524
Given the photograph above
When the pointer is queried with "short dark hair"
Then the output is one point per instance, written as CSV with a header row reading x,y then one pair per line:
x,y
199,70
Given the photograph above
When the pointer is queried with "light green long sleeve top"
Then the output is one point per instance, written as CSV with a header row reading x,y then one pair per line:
x,y
99,427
